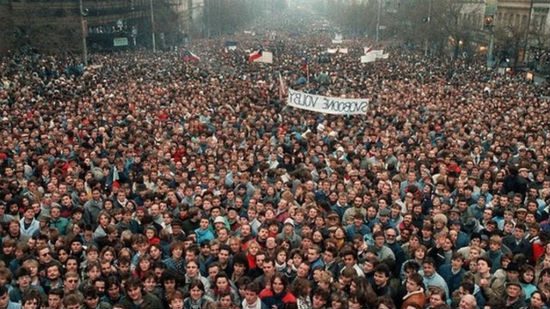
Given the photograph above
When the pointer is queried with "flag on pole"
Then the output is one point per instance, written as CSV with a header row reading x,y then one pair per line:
x,y
188,56
255,55
367,49
115,178
305,68
261,56
281,87
305,65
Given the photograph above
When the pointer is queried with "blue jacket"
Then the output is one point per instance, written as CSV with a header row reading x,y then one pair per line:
x,y
204,235
453,280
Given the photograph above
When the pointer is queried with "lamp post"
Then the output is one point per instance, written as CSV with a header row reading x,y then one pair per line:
x,y
489,25
428,20
527,32
378,20
83,26
153,26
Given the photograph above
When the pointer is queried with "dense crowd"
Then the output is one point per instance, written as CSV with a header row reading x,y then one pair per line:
x,y
151,182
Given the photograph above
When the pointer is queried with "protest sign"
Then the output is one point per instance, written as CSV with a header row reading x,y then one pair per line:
x,y
327,105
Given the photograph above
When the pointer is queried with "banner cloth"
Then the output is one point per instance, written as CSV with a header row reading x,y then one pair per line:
x,y
327,105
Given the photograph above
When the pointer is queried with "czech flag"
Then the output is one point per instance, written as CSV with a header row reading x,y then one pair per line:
x,y
305,66
255,55
190,57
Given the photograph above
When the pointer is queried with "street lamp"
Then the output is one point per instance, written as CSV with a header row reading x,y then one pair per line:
x,y
527,32
153,26
83,26
489,26
378,20
428,20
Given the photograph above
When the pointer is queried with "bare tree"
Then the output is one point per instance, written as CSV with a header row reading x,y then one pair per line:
x,y
6,29
47,29
441,24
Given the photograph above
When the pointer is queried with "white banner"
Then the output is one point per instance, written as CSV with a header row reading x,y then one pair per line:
x,y
368,58
338,38
327,105
377,52
332,50
343,50
371,56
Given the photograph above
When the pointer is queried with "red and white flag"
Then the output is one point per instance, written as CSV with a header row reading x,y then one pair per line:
x,y
255,55
188,56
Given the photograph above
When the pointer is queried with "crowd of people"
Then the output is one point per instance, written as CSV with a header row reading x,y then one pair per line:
x,y
151,182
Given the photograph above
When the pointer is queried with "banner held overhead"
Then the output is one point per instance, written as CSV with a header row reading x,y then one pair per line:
x,y
327,105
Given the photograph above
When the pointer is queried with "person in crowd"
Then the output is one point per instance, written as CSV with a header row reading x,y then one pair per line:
x,y
148,180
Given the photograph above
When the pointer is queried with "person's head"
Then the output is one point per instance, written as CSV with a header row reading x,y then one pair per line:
x,y
429,267
379,239
213,270
538,300
71,281
192,269
349,257
354,302
414,282
303,270
53,271
437,297
175,300
222,282
382,274
55,298
385,302
320,299
527,274
134,289
313,253
519,231
149,282
31,299
196,289
91,297
278,283
225,300
467,301
513,289
495,243
483,265
4,296
22,278
112,287
73,301
268,267
251,292
44,254
99,285
223,254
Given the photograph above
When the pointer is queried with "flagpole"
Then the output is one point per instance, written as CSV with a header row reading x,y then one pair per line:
x,y
307,70
280,90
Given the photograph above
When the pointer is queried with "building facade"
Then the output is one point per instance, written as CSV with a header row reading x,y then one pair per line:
x,y
104,23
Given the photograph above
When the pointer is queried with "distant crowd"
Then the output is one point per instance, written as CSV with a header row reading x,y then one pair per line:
x,y
152,182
